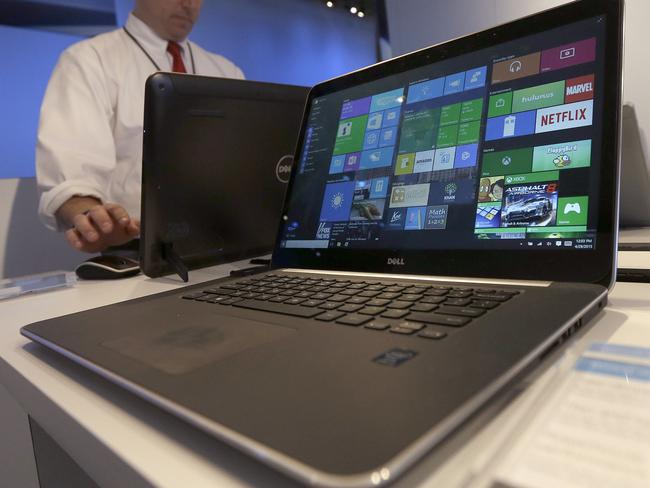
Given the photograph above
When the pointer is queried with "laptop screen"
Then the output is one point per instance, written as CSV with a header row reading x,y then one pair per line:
x,y
497,148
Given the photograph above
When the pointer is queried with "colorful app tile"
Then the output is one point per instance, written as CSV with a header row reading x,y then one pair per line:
x,y
375,120
409,195
500,104
415,217
354,108
579,114
384,101
337,202
361,190
454,83
475,78
337,164
488,215
450,114
513,125
349,137
471,110
436,217
423,161
490,189
404,164
572,210
516,68
388,137
529,205
512,161
426,90
377,158
419,130
466,156
324,231
541,96
530,178
396,219
444,159
569,55
579,89
367,210
352,161
469,132
567,155
452,192
447,136
391,117
371,140
379,187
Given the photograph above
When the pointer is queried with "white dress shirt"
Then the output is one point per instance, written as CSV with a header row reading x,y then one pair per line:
x,y
90,130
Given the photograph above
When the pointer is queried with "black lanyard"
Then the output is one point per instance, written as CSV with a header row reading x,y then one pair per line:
x,y
137,43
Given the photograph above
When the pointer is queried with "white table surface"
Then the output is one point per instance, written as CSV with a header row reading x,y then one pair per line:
x,y
120,440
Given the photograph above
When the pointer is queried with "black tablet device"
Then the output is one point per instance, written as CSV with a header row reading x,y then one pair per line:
x,y
217,155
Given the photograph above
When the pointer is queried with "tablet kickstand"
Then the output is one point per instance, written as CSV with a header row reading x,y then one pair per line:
x,y
175,261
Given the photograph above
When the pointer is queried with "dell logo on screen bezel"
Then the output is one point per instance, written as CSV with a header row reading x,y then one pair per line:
x,y
395,262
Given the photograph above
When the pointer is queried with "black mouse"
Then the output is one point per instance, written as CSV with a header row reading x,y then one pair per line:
x,y
107,267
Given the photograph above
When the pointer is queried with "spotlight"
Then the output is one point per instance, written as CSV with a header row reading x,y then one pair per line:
x,y
329,3
353,10
360,14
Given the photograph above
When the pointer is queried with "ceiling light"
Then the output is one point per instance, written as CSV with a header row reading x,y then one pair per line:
x,y
361,14
353,10
330,4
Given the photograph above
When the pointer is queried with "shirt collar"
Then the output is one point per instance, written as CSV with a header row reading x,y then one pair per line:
x,y
152,42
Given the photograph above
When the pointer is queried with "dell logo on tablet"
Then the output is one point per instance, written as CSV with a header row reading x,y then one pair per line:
x,y
283,168
396,261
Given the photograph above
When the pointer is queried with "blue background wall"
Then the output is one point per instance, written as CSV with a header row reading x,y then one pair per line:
x,y
285,41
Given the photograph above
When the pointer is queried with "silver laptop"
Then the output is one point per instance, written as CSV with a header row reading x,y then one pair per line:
x,y
450,219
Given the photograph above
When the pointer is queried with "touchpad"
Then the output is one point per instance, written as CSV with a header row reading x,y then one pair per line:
x,y
178,348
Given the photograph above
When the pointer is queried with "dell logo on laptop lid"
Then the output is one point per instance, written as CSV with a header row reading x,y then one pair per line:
x,y
283,168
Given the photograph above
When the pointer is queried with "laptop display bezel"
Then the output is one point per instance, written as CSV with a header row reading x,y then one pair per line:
x,y
595,266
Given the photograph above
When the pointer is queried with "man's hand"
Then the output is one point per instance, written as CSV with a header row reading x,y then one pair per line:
x,y
95,226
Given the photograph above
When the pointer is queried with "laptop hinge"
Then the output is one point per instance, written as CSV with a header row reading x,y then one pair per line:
x,y
175,261
460,279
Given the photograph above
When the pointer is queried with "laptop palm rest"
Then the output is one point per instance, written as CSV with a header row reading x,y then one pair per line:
x,y
173,350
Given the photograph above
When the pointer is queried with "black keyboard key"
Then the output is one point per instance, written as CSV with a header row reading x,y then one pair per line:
x,y
492,296
411,325
458,302
218,299
295,310
278,299
204,298
312,303
389,296
329,316
459,294
230,301
321,296
329,305
423,307
394,289
433,318
402,330
395,314
377,325
462,312
370,294
337,298
350,307
350,293
377,302
357,300
485,290
294,301
414,290
219,291
304,294
486,304
436,293
356,286
375,287
399,304
371,310
410,297
354,319
432,334
193,296
434,300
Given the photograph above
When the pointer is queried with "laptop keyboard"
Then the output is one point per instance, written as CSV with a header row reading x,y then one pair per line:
x,y
401,308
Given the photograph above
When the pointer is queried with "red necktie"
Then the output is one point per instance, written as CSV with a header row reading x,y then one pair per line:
x,y
175,50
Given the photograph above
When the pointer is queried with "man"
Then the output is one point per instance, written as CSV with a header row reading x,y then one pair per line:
x,y
89,149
